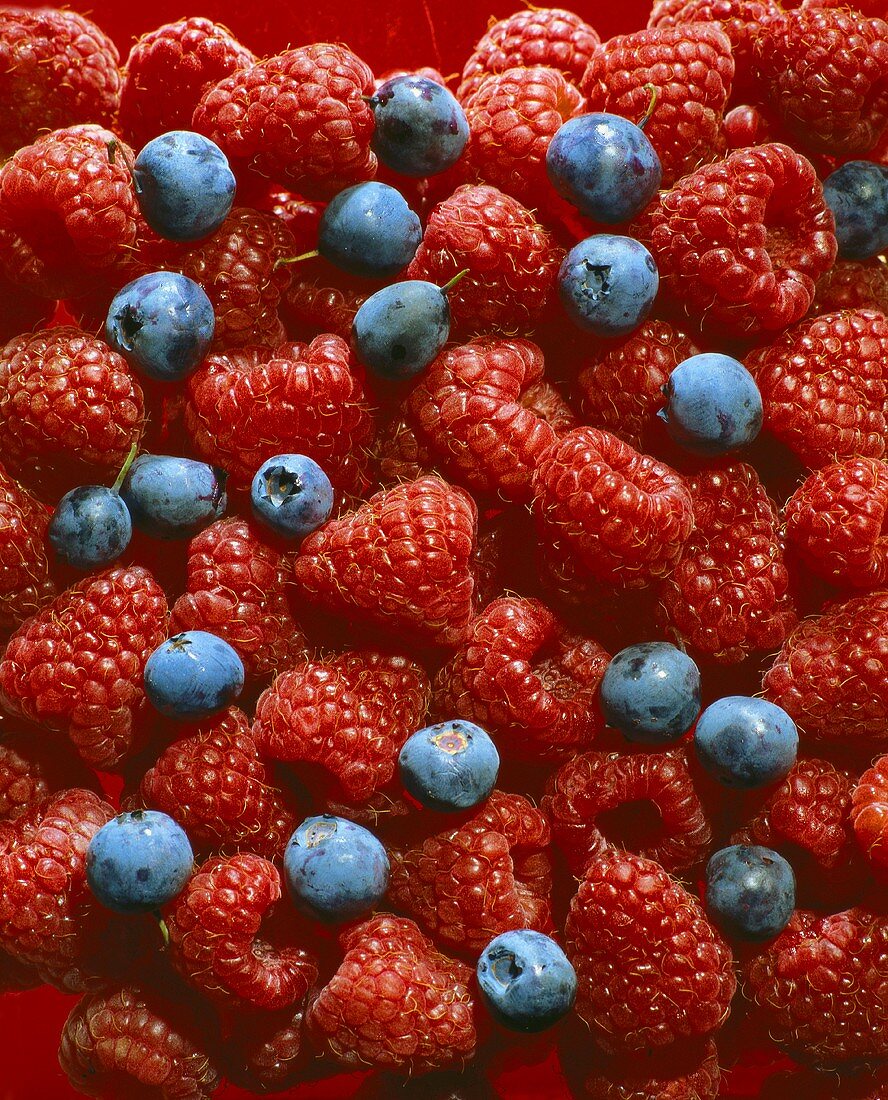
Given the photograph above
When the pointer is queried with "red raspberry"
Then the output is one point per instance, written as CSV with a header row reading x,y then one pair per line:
x,y
398,455
831,675
488,875
266,1052
553,37
651,968
56,69
68,212
169,70
349,714
691,70
395,1002
322,299
31,771
624,515
746,125
300,118
739,243
124,1041
803,57
247,405
824,384
835,521
681,1071
527,679
77,665
237,589
853,284
511,259
400,561
598,800
25,583
869,813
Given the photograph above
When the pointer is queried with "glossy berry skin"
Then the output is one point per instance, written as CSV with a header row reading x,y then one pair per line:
x,y
369,230
174,498
420,127
750,891
193,675
608,284
90,527
450,766
400,329
746,742
713,405
292,495
526,980
335,870
857,194
605,165
162,324
651,692
184,185
138,861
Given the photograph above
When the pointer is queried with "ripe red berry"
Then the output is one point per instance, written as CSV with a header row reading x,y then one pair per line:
x,y
853,284
322,299
25,583
869,813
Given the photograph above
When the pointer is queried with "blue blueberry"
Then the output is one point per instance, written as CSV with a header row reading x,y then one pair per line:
x,y
608,284
605,166
420,127
449,766
174,498
400,329
713,405
746,742
162,324
335,870
651,692
526,980
90,527
857,194
193,675
369,230
183,185
750,891
292,495
138,861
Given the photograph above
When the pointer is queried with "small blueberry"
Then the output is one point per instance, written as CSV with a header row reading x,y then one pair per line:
x,y
292,495
450,766
193,675
526,980
750,891
369,230
420,128
651,692
608,284
713,405
746,742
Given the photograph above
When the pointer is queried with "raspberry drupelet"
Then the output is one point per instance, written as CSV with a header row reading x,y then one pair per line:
x,y
869,813
25,582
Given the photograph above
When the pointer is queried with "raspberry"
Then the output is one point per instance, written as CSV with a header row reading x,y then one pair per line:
x,y
553,37
246,406
691,70
651,968
488,875
56,69
349,714
398,455
169,70
624,515
25,583
831,675
527,679
803,57
869,813
265,1051
835,521
400,561
511,259
77,665
825,386
585,802
853,284
321,299
237,589
395,1002
740,243
31,771
299,118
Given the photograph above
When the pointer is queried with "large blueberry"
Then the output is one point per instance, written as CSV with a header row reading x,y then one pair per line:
x,y
651,692
292,495
857,194
746,742
400,329
174,498
369,230
712,404
750,891
420,127
608,284
526,980
449,766
193,675
90,527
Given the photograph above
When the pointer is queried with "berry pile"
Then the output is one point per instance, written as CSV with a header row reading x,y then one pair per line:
x,y
444,555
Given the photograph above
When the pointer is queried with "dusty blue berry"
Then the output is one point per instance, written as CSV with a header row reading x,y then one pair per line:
x,y
526,980
369,230
450,766
90,527
713,405
193,675
608,284
292,495
174,498
651,692
750,891
420,127
746,742
857,194
400,329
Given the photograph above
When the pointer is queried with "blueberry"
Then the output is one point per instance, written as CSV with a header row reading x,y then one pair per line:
x,y
857,194
400,329
183,185
750,891
712,404
420,127
292,495
605,166
162,324
369,230
746,742
449,766
138,861
608,284
193,675
174,498
335,869
651,692
90,527
526,980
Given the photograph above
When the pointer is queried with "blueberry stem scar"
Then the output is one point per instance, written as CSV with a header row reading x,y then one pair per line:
x,y
646,117
124,469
